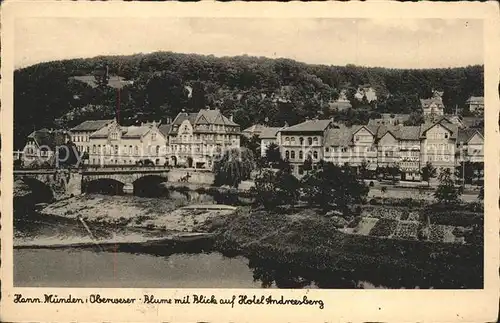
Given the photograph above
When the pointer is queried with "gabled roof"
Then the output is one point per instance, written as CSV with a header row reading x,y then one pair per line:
x,y
309,126
427,102
127,132
472,121
92,125
371,128
476,99
400,132
453,128
165,129
269,132
465,135
204,116
48,138
256,129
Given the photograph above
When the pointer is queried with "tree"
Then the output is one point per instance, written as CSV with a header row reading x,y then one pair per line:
x,y
415,119
363,169
394,171
252,143
333,186
466,171
480,196
307,166
273,155
67,155
275,188
446,192
235,165
428,172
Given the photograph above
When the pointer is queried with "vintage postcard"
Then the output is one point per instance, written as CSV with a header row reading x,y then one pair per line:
x,y
238,162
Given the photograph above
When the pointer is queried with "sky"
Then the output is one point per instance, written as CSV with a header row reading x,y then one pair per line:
x,y
408,43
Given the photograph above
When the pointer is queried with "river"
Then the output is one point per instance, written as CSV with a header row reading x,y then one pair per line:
x,y
43,258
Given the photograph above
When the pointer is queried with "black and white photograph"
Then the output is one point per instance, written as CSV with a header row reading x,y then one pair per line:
x,y
249,153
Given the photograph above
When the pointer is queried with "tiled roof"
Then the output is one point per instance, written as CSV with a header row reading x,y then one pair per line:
x,y
309,125
426,102
464,135
165,129
91,125
339,136
472,121
476,99
126,132
443,122
204,116
49,138
256,129
135,131
269,132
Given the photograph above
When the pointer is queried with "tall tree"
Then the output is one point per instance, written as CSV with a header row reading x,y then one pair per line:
x,y
428,172
332,186
234,166
446,191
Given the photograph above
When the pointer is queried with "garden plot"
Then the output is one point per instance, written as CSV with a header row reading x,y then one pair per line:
x,y
407,230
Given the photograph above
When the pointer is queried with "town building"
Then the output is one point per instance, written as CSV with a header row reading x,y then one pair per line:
x,y
366,92
195,139
41,146
438,143
80,135
267,137
119,145
475,104
433,106
470,145
302,140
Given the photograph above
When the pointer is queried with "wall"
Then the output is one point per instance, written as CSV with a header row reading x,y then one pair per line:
x,y
197,176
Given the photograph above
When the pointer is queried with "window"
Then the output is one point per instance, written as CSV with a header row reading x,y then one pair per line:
x,y
157,150
301,140
287,140
315,140
136,150
315,155
99,150
446,135
116,149
287,154
301,155
130,150
293,140
93,149
292,154
327,149
301,169
309,141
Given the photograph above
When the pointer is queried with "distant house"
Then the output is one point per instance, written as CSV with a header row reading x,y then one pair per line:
x,y
301,140
433,106
475,104
389,119
342,103
41,146
254,130
470,143
369,92
80,135
267,137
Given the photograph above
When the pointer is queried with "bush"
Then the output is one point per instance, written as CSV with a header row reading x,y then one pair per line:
x,y
455,218
384,227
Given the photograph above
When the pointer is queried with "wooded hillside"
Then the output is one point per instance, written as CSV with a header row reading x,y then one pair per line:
x,y
252,89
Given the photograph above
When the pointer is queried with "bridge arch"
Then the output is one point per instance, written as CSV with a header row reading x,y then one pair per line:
x,y
149,186
108,186
41,192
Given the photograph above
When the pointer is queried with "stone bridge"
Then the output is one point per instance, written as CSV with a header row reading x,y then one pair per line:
x,y
64,182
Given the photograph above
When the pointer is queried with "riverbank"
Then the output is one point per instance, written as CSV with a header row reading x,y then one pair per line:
x,y
165,214
306,241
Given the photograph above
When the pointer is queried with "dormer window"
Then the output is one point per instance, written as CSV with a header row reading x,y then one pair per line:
x,y
153,136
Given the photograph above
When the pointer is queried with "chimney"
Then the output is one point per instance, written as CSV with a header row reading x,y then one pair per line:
x,y
231,117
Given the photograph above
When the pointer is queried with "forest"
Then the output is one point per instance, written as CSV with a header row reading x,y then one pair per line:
x,y
251,89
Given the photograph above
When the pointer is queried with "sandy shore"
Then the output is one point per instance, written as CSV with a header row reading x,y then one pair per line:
x,y
131,211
